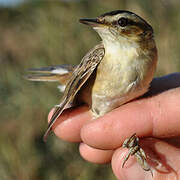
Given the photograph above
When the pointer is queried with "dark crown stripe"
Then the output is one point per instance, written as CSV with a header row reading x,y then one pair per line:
x,y
112,13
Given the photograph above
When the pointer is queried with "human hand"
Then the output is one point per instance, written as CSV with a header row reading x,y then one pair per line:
x,y
155,115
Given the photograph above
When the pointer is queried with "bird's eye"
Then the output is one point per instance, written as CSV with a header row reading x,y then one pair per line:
x,y
122,22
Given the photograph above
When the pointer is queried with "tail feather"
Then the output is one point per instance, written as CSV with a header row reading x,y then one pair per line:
x,y
42,77
59,73
59,69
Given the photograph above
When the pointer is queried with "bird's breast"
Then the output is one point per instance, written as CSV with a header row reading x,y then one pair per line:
x,y
122,75
119,79
116,72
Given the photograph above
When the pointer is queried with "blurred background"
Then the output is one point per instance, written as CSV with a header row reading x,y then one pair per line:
x,y
35,33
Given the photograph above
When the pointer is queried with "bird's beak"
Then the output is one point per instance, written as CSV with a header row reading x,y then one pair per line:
x,y
92,22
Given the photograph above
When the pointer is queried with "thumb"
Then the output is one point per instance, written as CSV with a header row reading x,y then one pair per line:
x,y
162,158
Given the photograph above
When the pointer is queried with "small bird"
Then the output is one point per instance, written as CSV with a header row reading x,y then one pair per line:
x,y
116,71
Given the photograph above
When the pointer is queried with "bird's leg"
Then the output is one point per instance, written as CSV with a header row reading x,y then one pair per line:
x,y
141,159
132,144
130,153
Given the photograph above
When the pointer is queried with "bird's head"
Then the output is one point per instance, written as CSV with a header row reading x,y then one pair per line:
x,y
120,25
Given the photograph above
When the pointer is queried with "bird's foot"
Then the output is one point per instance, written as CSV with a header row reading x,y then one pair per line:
x,y
132,144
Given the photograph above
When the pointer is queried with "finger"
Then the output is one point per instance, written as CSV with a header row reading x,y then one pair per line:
x,y
157,116
68,125
165,157
95,155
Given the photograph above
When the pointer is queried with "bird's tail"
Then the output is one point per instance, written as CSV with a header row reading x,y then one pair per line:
x,y
60,73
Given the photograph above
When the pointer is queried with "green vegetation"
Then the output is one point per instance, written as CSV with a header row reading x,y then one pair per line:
x,y
42,33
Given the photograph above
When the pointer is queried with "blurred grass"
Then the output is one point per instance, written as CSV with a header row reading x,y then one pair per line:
x,y
41,33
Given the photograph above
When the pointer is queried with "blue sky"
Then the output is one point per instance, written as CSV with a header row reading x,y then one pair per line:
x,y
9,2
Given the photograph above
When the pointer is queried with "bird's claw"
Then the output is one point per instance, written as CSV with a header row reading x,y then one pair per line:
x,y
132,144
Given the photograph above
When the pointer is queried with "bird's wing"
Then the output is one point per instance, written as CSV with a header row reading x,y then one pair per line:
x,y
78,78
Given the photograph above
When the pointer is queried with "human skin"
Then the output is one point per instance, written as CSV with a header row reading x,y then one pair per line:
x,y
154,115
